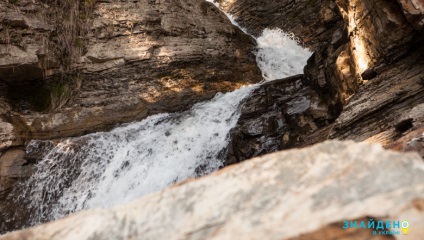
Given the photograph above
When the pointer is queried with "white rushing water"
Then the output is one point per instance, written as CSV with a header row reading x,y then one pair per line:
x,y
109,168
279,54
130,161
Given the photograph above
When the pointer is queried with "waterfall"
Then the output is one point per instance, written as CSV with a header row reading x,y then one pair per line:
x,y
279,54
115,167
105,169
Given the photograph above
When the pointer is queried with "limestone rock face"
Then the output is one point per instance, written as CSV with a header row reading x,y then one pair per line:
x,y
371,75
263,198
312,22
139,58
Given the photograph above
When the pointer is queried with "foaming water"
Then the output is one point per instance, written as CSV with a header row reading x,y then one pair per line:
x,y
279,54
109,168
115,167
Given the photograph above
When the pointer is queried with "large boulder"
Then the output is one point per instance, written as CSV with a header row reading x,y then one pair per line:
x,y
280,114
297,194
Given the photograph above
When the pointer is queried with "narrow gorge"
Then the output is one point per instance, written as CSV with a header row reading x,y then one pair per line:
x,y
167,119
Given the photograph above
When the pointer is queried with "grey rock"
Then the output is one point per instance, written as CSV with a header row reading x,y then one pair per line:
x,y
280,114
264,198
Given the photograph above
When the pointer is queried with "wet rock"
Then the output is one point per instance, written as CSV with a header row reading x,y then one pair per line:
x,y
13,168
16,166
278,115
359,45
369,74
327,183
35,150
12,163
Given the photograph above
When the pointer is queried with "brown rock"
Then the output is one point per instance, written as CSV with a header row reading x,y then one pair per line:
x,y
389,106
367,42
414,12
140,58
312,22
412,140
376,110
370,25
11,163
365,48
13,168
23,38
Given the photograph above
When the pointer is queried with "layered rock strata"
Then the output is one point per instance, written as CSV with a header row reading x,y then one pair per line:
x,y
139,58
365,72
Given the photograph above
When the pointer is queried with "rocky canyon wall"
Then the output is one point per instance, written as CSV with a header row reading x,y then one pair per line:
x,y
364,82
366,74
139,58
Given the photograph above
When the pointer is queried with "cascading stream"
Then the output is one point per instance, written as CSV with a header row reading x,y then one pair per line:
x,y
115,167
109,168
